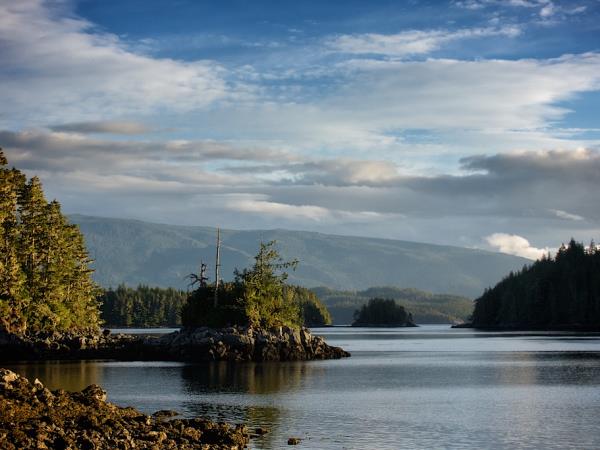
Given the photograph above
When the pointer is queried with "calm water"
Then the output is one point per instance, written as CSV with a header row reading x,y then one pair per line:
x,y
429,387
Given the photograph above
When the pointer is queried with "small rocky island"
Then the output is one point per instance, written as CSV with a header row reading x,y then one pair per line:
x,y
233,344
382,312
32,416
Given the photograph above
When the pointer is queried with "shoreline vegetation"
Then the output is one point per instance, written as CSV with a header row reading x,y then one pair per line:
x,y
560,293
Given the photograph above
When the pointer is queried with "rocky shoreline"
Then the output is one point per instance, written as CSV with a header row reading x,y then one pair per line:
x,y
575,328
187,344
31,416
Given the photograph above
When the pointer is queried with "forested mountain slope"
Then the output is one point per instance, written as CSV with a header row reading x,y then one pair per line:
x,y
134,252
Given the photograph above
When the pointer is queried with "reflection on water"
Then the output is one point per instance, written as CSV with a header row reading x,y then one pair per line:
x,y
249,378
67,375
430,387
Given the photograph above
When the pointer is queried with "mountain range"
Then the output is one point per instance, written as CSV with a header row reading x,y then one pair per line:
x,y
133,252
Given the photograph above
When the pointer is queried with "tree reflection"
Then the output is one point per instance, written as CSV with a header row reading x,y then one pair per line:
x,y
67,375
247,378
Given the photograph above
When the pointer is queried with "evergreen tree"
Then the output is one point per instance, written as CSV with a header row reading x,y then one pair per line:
x,y
13,294
45,280
266,301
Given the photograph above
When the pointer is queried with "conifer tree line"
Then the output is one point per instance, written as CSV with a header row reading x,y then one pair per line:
x,y
45,278
563,291
142,307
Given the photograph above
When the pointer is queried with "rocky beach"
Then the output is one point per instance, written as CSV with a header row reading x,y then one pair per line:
x,y
32,416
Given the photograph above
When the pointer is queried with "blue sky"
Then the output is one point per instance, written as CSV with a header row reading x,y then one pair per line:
x,y
470,122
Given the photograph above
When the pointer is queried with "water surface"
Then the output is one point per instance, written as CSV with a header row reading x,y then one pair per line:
x,y
428,387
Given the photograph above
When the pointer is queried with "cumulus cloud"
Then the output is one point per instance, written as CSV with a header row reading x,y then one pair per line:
x,y
65,68
111,127
515,245
413,42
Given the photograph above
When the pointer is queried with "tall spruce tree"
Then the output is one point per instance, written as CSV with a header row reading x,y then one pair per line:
x,y
13,294
45,279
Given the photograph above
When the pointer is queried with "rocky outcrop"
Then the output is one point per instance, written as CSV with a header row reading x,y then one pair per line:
x,y
33,417
75,345
245,344
188,344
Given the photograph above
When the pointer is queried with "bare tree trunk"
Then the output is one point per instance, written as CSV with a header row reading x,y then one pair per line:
x,y
217,267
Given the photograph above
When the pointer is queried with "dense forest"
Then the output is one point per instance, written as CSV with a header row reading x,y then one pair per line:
x,y
382,312
559,292
145,306
425,306
142,307
45,279
258,296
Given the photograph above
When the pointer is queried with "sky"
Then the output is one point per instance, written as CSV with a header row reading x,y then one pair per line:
x,y
469,122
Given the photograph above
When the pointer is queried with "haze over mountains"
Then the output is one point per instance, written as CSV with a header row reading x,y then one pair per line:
x,y
133,252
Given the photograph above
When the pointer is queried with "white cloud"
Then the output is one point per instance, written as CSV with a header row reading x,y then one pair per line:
x,y
64,69
490,105
413,42
262,205
548,10
565,215
515,245
248,204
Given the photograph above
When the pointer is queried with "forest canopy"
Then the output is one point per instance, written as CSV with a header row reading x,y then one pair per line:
x,y
558,292
142,307
45,278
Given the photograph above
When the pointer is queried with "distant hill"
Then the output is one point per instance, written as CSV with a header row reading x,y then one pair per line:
x,y
133,252
424,306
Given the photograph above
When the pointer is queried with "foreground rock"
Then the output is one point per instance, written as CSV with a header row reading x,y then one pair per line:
x,y
192,344
32,417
